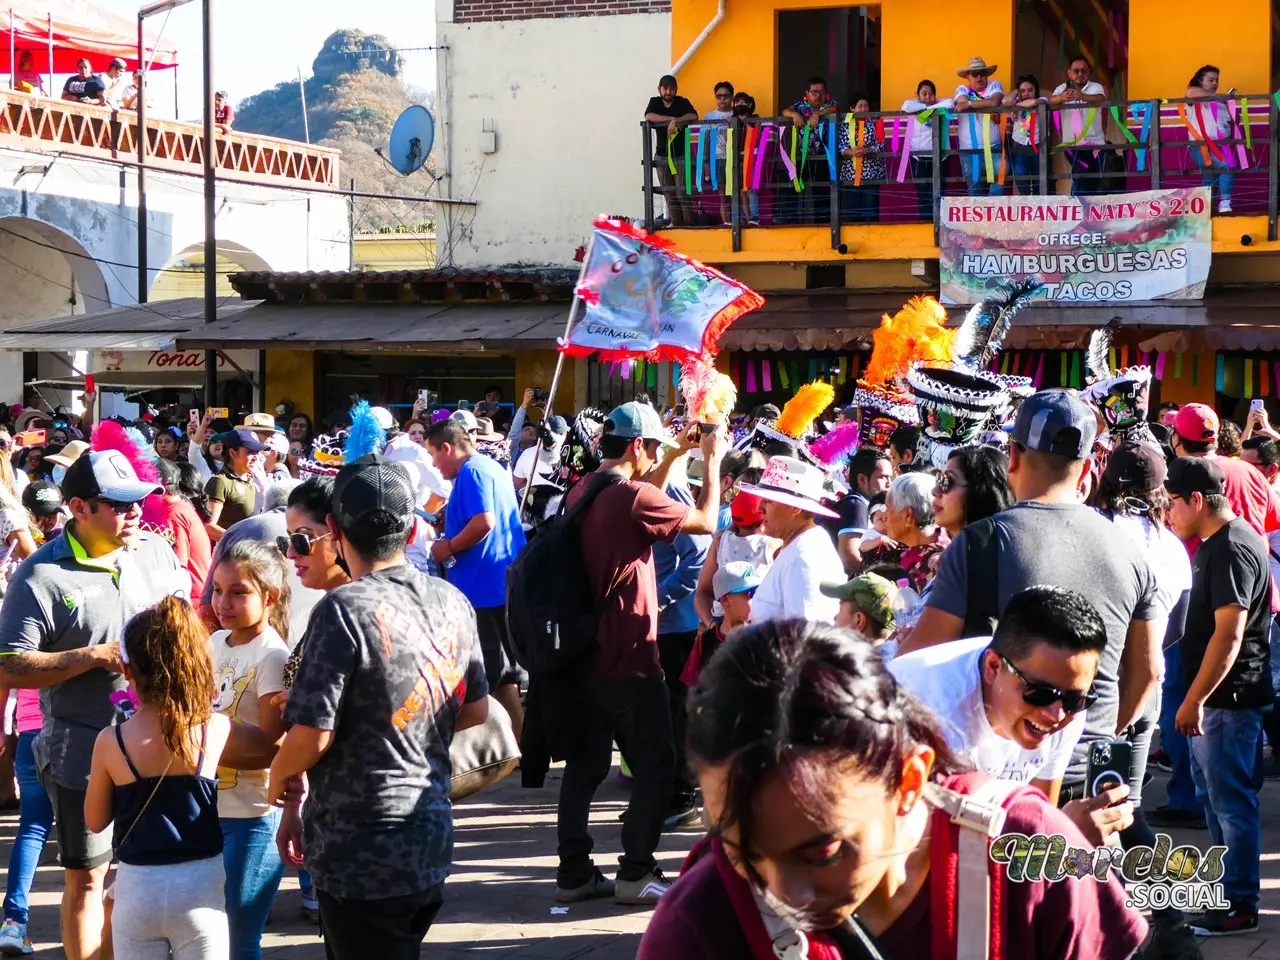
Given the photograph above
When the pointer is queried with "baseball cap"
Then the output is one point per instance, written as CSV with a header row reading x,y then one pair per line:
x,y
747,510
666,80
737,576
117,62
1138,465
558,425
277,442
42,498
870,593
383,418
766,411
1054,421
373,486
467,419
1188,475
637,421
1196,422
241,437
106,474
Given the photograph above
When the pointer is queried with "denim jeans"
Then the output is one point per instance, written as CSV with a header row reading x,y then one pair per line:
x,y
1182,790
635,711
1086,165
1214,170
35,818
254,871
975,173
922,173
1225,767
1025,165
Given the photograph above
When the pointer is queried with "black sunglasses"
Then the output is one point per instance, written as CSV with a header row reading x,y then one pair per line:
x,y
299,542
1042,695
116,506
946,483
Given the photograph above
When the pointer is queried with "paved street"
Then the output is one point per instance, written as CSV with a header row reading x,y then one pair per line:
x,y
499,900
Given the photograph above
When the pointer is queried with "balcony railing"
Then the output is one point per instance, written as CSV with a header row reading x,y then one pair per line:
x,y
86,130
752,173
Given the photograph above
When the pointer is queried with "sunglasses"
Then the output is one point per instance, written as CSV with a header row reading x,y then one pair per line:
x,y
116,506
1042,695
300,543
946,483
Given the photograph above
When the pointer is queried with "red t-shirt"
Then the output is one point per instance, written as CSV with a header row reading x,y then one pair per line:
x,y
618,534
191,544
1067,920
1250,495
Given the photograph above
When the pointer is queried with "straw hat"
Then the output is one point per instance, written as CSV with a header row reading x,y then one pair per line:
x,y
977,65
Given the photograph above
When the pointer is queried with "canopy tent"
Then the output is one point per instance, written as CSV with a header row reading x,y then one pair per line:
x,y
75,29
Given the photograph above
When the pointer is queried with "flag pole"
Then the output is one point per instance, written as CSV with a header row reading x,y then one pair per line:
x,y
555,377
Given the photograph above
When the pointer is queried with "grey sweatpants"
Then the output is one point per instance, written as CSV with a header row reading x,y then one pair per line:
x,y
176,910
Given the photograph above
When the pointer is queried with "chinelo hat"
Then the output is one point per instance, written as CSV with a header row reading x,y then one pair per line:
x,y
1121,397
794,483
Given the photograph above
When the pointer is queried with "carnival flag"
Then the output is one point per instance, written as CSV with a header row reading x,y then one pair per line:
x,y
642,299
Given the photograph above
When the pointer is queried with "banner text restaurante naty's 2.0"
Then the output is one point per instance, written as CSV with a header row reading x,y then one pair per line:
x,y
1129,247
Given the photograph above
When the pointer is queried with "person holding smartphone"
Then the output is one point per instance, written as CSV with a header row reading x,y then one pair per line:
x,y
1211,121
1082,125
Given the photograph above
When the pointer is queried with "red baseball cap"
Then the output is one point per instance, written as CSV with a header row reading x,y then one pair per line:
x,y
747,509
1196,422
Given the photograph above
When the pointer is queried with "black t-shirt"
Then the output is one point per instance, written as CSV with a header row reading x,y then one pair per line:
x,y
1231,569
853,516
81,87
680,107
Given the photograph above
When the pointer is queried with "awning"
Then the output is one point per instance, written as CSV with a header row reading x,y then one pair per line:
x,y
80,29
87,341
375,327
146,323
136,380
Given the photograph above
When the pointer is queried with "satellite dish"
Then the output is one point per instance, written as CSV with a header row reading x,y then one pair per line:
x,y
411,139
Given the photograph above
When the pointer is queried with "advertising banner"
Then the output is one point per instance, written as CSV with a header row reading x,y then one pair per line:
x,y
1112,248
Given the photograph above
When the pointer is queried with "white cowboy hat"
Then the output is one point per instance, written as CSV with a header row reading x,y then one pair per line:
x,y
792,482
977,65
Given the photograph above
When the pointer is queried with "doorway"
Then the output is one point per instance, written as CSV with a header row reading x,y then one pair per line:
x,y
841,44
1050,33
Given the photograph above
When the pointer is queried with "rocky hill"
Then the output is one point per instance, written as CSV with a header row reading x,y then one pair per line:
x,y
354,95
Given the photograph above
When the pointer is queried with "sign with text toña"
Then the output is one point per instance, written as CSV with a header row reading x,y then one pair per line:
x,y
151,361
1113,248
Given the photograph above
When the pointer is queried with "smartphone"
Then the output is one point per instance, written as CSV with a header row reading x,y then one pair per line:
x,y
90,383
424,397
1108,765
1256,404
1231,92
219,413
30,438
680,410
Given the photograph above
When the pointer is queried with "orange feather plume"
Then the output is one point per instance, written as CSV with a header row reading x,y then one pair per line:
x,y
804,408
916,332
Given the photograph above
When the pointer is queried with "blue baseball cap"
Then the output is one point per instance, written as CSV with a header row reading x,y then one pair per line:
x,y
736,576
1057,422
637,421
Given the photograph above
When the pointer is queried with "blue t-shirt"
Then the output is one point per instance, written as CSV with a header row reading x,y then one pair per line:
x,y
483,486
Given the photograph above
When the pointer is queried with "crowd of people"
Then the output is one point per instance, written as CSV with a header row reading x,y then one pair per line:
x,y
231,649
1001,138
119,88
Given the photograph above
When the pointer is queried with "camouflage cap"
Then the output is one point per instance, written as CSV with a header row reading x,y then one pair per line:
x,y
870,593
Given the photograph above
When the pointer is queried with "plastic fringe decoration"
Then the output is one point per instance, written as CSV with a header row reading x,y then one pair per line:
x,y
836,445
804,408
365,436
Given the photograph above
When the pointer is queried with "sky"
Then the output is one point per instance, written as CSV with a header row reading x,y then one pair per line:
x,y
259,43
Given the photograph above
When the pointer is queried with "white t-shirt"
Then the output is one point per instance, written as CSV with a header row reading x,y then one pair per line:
x,y
947,678
1074,119
1167,557
241,675
922,133
722,132
11,519
790,588
972,122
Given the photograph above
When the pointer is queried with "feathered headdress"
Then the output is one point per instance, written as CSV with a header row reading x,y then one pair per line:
x,y
709,395
364,436
157,515
836,445
804,408
916,332
1120,396
987,324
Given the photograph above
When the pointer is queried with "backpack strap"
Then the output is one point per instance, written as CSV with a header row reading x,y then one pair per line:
x,y
596,485
982,600
967,887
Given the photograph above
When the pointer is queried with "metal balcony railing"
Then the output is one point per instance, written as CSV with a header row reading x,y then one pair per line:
x,y
81,129
750,173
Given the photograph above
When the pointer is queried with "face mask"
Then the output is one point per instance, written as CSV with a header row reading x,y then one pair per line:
x,y
59,473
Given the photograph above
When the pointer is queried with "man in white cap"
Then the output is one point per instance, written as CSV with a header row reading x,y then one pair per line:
x,y
60,627
792,491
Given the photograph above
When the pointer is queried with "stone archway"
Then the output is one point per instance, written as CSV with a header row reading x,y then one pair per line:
x,y
183,275
46,273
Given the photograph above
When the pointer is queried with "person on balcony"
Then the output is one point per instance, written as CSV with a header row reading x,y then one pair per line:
x,y
922,142
85,86
117,84
978,91
744,108
1082,126
721,115
1212,121
813,204
130,99
26,80
1024,155
860,181
675,112
224,114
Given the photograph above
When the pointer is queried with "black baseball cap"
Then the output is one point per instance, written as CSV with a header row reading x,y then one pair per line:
x,y
1057,422
1188,475
374,489
240,437
42,498
1139,465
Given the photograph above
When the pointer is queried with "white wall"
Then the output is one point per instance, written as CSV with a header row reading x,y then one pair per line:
x,y
565,97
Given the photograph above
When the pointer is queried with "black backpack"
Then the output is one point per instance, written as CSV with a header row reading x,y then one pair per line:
x,y
552,612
